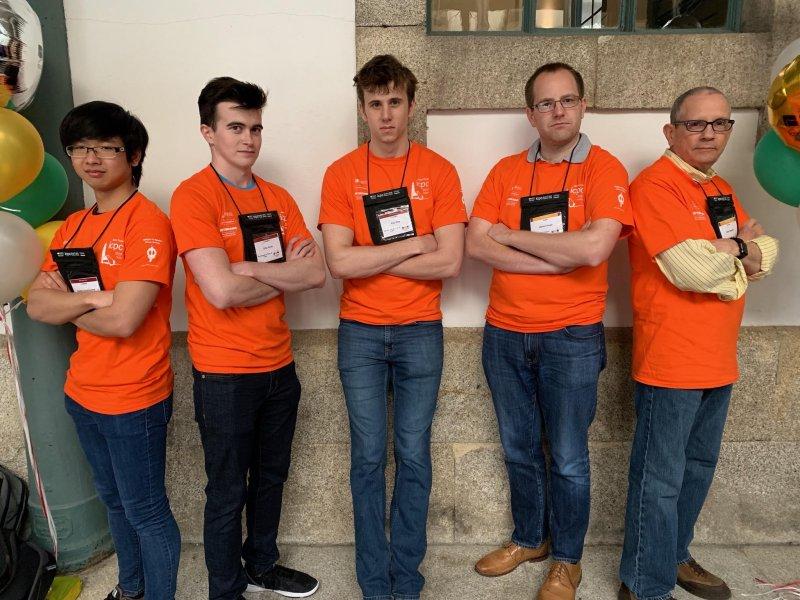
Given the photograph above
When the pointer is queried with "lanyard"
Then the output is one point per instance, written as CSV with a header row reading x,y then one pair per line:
x,y
405,166
231,195
569,165
90,211
702,189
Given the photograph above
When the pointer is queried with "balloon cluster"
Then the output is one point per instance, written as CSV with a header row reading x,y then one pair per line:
x,y
33,184
777,157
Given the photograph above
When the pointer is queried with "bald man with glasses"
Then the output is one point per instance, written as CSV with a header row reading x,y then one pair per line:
x,y
693,253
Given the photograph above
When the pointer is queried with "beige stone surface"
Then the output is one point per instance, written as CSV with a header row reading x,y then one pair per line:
x,y
394,14
650,71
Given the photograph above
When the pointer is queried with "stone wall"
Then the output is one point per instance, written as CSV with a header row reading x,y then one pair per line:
x,y
754,498
622,72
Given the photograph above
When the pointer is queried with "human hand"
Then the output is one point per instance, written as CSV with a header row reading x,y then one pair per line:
x,y
426,243
500,233
750,230
300,248
727,246
102,299
52,280
242,268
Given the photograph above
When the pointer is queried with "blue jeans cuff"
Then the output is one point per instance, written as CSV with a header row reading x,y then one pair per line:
x,y
685,560
524,544
570,561
378,598
406,597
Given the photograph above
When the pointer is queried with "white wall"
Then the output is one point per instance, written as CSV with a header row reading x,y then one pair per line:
x,y
154,56
474,140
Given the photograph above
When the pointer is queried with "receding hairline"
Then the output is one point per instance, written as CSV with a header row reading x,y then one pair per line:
x,y
677,106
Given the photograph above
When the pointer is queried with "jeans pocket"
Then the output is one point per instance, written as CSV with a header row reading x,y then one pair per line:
x,y
584,332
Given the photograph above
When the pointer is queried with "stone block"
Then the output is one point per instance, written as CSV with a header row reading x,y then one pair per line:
x,y
645,71
12,442
757,15
785,25
379,13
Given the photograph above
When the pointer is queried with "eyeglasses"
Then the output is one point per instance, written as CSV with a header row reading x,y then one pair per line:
x,y
549,105
698,125
99,151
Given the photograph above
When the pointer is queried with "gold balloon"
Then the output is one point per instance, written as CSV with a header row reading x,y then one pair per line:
x,y
21,153
783,104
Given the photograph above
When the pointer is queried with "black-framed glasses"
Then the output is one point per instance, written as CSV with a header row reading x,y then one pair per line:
x,y
550,105
698,125
99,151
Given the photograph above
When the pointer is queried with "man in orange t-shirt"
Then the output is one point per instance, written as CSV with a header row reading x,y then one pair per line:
x,y
243,243
692,254
547,219
109,271
392,219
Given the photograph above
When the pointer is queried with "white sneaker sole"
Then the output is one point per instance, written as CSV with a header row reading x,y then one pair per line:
x,y
257,588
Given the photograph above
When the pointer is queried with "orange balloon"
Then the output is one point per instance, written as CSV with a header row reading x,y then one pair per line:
x,y
783,104
21,153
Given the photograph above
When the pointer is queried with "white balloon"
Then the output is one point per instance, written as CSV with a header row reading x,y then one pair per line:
x,y
21,255
784,58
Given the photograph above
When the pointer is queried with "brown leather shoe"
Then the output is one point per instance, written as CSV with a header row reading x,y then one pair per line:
x,y
696,580
504,560
562,582
625,594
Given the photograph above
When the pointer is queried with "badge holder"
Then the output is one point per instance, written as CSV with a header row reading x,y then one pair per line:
x,y
545,213
263,240
722,213
79,268
389,216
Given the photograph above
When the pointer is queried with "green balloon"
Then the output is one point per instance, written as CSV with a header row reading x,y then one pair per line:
x,y
44,197
777,168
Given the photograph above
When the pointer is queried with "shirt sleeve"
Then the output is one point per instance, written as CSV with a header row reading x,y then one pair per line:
x,y
448,199
149,251
335,207
660,217
607,194
769,256
295,224
487,203
696,266
57,242
194,220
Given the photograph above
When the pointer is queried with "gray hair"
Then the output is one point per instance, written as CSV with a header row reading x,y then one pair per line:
x,y
678,104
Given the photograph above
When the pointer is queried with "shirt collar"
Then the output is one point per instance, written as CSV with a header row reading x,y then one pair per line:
x,y
580,155
695,174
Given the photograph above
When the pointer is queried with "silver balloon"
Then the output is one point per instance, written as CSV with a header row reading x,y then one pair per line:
x,y
21,53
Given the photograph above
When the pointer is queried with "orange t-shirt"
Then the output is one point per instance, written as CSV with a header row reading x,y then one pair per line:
x,y
242,339
436,201
598,189
680,339
112,375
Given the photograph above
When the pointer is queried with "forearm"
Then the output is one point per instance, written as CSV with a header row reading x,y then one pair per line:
x,y
245,291
357,262
104,322
696,266
752,262
434,265
569,250
291,276
56,307
505,258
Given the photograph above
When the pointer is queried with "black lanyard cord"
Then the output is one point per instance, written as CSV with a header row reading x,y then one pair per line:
x,y
405,166
231,195
702,189
569,164
90,211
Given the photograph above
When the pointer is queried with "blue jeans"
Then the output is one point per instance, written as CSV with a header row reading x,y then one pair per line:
x,y
127,454
546,381
410,357
674,455
247,424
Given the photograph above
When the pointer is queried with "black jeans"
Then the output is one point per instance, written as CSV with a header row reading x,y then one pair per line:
x,y
247,423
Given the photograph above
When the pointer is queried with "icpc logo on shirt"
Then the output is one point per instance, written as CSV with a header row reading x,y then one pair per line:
x,y
112,252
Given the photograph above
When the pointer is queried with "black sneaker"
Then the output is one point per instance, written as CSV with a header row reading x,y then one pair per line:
x,y
116,594
281,580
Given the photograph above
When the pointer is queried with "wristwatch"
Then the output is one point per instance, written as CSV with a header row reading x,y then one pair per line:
x,y
742,247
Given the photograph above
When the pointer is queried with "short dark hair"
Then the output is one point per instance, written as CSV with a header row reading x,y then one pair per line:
x,y
379,72
678,104
227,89
552,67
102,121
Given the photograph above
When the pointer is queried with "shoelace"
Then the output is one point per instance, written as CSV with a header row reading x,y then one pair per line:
x,y
559,571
